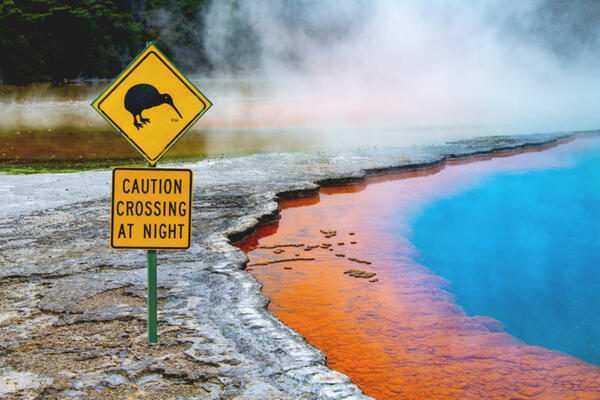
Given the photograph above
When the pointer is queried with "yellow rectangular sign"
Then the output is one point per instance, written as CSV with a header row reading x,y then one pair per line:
x,y
151,208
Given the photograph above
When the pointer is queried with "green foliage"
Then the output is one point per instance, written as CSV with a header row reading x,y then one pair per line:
x,y
54,40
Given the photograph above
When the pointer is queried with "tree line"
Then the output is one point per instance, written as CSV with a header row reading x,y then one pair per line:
x,y
61,40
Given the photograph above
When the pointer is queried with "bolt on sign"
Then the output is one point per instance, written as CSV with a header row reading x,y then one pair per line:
x,y
151,104
151,208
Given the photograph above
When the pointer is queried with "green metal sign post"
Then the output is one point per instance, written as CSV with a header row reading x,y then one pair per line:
x,y
152,313
152,329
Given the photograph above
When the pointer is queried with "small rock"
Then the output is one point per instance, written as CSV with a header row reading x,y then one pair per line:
x,y
148,378
114,380
357,273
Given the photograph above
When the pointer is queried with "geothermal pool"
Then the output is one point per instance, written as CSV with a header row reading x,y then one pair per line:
x,y
485,282
524,248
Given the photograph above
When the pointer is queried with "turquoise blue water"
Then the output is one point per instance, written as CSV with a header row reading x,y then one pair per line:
x,y
523,247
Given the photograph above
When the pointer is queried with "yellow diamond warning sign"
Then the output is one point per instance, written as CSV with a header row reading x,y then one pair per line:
x,y
151,208
151,104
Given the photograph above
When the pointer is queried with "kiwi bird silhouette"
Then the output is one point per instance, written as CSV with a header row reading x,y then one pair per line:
x,y
143,96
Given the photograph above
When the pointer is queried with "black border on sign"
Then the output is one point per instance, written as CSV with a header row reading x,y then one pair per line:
x,y
112,207
178,135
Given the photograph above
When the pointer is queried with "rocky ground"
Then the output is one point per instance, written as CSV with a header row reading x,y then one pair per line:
x,y
72,310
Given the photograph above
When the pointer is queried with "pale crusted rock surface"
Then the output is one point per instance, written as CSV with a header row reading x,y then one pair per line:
x,y
72,310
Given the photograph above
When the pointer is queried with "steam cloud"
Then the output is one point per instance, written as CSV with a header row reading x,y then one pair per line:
x,y
380,71
488,67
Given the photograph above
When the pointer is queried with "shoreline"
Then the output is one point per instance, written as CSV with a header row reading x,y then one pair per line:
x,y
219,337
367,173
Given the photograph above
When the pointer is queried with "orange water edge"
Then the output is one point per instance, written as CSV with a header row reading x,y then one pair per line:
x,y
403,337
